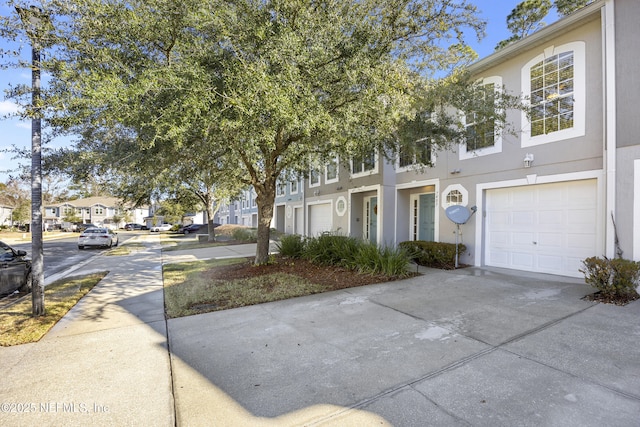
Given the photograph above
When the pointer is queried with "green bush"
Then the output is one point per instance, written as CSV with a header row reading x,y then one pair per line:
x,y
385,260
331,249
291,245
433,254
612,277
347,252
245,234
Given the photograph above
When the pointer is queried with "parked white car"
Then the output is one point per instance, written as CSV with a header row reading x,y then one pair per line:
x,y
97,236
161,227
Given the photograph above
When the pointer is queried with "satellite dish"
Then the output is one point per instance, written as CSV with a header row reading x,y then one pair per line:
x,y
458,214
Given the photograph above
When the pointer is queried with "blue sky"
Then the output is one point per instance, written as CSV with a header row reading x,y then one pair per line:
x,y
15,132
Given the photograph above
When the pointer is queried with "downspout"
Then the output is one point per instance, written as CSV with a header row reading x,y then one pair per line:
x,y
609,88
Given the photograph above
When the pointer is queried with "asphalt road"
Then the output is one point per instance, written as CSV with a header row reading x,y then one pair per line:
x,y
63,253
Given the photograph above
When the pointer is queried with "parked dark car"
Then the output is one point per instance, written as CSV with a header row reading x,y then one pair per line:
x,y
15,270
191,228
131,227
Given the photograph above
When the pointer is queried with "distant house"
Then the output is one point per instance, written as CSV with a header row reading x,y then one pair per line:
x,y
103,211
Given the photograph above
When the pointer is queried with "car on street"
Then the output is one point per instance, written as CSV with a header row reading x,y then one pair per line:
x,y
189,229
15,270
132,227
98,236
162,227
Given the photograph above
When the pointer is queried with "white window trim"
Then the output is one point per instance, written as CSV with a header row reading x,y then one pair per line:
x,y
414,166
317,184
579,95
497,136
450,188
291,190
326,173
373,171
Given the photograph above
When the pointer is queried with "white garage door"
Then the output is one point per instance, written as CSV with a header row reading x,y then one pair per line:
x,y
319,218
547,228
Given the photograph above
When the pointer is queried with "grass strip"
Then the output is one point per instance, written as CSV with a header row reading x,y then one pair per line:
x,y
17,324
189,292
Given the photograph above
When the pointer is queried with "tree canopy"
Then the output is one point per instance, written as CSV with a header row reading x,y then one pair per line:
x,y
527,17
256,88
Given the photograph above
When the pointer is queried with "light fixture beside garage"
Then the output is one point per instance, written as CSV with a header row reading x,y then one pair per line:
x,y
528,160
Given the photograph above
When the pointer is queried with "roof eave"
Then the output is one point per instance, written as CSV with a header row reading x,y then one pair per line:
x,y
542,36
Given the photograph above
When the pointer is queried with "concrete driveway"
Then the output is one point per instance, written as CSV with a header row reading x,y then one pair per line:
x,y
475,347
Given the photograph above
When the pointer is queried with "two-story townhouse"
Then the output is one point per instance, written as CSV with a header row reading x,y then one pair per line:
x,y
547,192
247,211
289,204
546,195
94,210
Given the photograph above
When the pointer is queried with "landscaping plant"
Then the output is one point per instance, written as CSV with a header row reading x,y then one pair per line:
x,y
614,278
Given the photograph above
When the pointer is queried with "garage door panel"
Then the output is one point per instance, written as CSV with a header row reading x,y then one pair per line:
x,y
320,219
543,228
547,241
523,218
551,217
522,239
550,264
522,260
499,258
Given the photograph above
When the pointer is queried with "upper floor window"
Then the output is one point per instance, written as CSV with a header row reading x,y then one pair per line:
x,y
331,171
294,186
98,210
418,153
363,164
555,82
314,177
482,136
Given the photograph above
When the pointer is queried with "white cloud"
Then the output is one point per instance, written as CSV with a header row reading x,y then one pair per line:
x,y
7,107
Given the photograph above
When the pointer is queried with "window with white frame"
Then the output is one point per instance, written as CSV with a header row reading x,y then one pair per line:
x,y
280,189
98,210
364,164
418,153
294,186
482,136
555,83
455,194
331,171
314,177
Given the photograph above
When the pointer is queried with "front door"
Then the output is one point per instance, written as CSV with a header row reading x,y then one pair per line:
x,y
371,219
423,207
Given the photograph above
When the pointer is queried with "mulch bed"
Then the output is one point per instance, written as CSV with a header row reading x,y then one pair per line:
x,y
607,299
333,278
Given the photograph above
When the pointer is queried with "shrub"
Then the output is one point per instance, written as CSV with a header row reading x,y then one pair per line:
x,y
291,245
245,234
433,254
386,260
612,277
331,249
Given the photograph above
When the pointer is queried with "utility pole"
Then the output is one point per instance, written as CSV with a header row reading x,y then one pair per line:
x,y
34,20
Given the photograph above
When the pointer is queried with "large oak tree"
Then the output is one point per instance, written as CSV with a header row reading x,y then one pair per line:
x,y
280,84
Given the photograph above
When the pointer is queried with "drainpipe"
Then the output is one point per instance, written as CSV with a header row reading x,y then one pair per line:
x,y
609,71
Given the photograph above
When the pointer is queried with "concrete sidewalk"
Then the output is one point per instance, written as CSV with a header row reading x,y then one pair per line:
x,y
471,347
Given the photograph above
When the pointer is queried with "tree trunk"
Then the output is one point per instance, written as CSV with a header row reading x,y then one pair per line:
x,y
210,214
265,200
